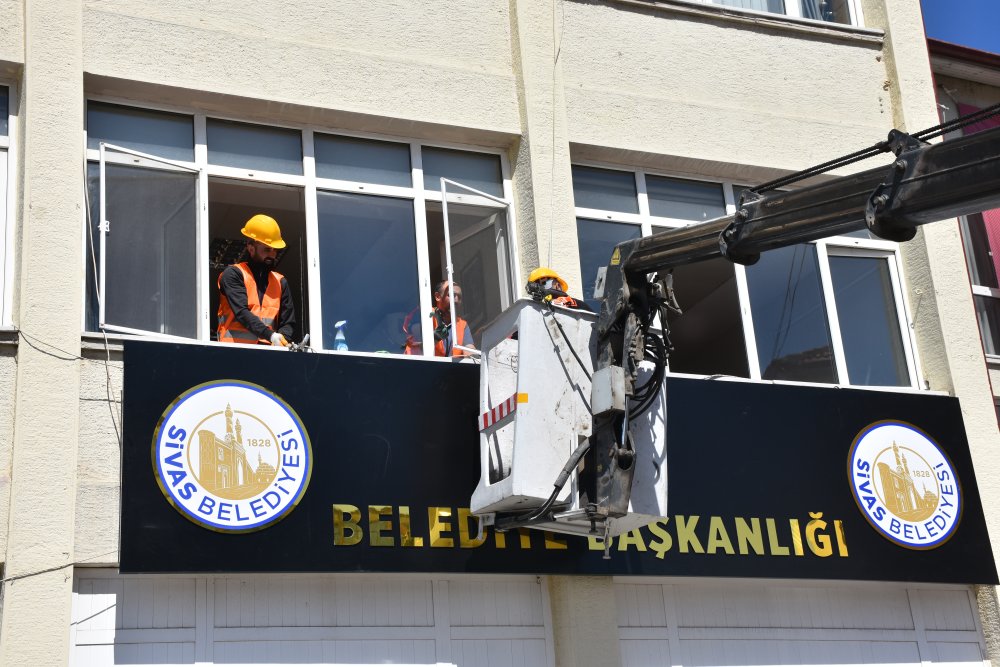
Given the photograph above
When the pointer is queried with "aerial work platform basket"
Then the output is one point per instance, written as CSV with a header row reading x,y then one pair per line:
x,y
535,412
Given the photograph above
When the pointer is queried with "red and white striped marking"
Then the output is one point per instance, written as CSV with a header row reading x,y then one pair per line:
x,y
501,411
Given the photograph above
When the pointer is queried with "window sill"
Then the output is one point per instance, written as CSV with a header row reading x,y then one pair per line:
x,y
826,385
762,19
8,337
95,342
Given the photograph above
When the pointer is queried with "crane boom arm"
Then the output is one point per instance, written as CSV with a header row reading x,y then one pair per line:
x,y
925,183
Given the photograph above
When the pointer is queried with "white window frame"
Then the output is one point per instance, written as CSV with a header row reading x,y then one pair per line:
x,y
792,10
126,156
7,186
311,185
471,196
837,245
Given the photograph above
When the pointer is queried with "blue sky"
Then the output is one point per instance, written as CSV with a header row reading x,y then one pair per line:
x,y
972,23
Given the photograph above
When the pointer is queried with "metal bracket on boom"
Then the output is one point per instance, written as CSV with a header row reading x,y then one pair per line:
x,y
737,230
877,210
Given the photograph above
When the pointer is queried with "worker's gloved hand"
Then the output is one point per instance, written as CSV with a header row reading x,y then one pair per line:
x,y
277,340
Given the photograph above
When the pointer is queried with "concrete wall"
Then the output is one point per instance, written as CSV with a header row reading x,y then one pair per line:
x,y
12,31
8,372
443,63
707,86
98,487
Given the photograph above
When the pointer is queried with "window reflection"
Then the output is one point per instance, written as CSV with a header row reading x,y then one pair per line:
x,y
248,146
368,266
869,328
597,240
479,255
685,200
789,316
362,160
167,135
480,171
150,279
988,314
604,189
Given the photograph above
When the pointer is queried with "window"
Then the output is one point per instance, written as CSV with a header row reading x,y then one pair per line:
x,y
368,227
831,11
828,311
981,238
6,214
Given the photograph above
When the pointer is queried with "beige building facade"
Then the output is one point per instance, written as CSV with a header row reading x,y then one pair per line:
x,y
545,108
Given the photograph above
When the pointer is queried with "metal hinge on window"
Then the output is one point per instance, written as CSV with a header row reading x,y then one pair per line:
x,y
106,226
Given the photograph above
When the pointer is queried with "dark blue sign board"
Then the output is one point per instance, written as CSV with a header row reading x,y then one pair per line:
x,y
762,482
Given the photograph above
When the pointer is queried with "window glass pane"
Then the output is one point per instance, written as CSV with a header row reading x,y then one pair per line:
x,y
775,6
708,334
978,253
368,265
869,325
4,110
247,146
476,170
835,11
168,135
362,160
479,255
685,200
988,314
604,189
150,281
789,316
597,240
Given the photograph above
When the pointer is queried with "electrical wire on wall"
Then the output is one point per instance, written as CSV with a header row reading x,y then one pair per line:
x,y
97,290
556,50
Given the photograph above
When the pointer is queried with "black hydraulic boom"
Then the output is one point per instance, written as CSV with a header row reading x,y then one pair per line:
x,y
925,183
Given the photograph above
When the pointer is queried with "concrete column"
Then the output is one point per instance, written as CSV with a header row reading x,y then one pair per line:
x,y
38,572
941,305
584,622
543,181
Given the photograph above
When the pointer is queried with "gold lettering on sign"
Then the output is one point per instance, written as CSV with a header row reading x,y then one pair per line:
x,y
376,526
346,528
437,519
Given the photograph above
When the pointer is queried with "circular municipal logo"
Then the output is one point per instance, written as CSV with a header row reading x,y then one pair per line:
x,y
231,456
905,485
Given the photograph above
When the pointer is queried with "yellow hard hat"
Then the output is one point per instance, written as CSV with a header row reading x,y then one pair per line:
x,y
543,272
265,229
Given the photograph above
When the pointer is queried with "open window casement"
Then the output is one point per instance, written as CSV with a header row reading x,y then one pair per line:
x,y
148,260
476,252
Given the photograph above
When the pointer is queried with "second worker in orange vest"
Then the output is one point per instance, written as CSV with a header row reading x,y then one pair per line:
x,y
444,294
255,303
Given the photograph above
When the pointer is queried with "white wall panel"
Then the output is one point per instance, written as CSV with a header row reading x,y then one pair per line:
x,y
731,623
498,653
302,619
481,603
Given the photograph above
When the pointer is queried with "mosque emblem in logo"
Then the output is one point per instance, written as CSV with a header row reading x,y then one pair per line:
x,y
231,456
905,485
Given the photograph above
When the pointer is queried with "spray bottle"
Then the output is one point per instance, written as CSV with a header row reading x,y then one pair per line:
x,y
340,341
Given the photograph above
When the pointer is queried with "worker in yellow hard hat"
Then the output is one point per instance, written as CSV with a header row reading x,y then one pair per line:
x,y
255,303
547,286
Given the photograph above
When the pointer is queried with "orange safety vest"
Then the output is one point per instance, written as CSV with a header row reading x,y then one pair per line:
x,y
230,329
414,346
460,334
565,302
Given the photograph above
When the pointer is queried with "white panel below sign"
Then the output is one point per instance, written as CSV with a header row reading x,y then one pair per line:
x,y
749,623
352,620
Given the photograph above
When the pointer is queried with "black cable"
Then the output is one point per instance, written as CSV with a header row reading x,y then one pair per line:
x,y
876,149
561,479
568,344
